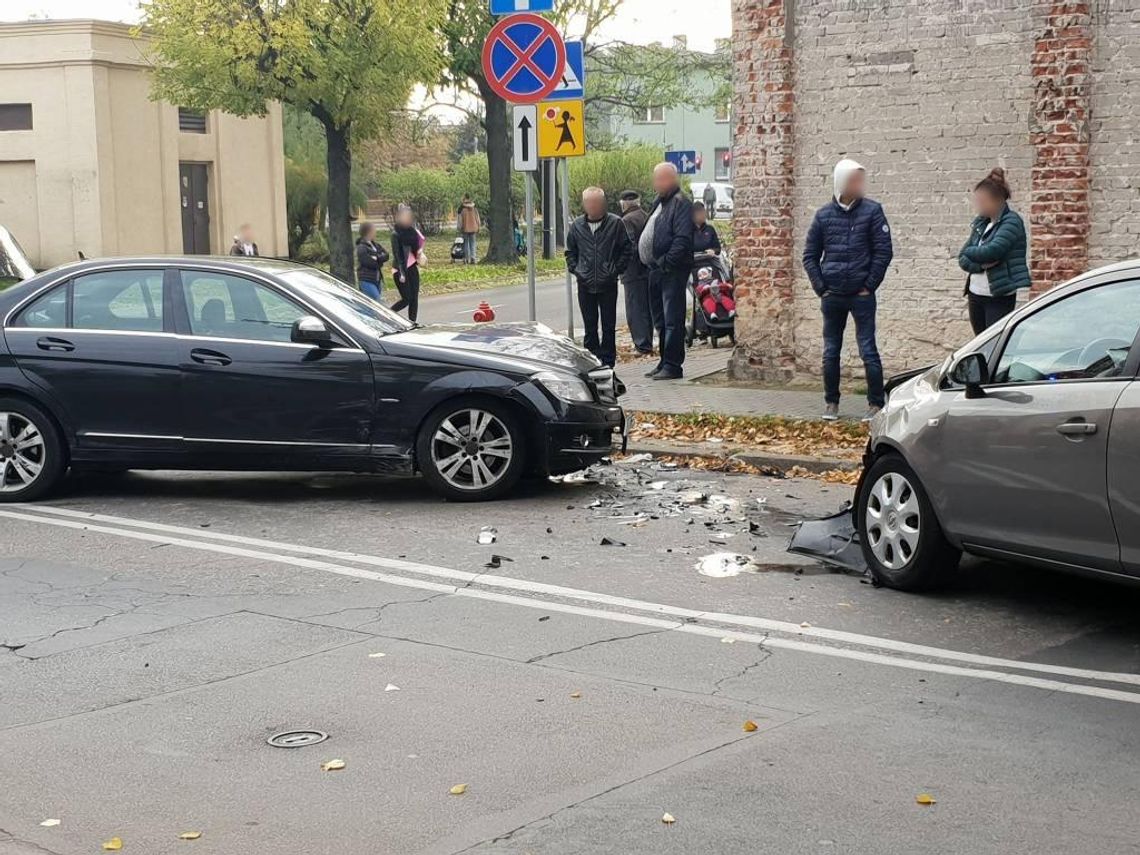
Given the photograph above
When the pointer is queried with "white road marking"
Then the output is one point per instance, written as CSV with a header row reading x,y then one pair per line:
x,y
200,543
597,598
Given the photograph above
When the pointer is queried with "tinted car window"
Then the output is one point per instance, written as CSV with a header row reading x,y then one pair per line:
x,y
118,300
346,303
47,311
222,306
1083,337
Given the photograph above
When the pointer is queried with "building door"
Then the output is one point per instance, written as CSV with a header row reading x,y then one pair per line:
x,y
195,199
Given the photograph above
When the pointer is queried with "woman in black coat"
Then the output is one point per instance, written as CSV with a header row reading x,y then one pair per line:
x,y
370,261
407,256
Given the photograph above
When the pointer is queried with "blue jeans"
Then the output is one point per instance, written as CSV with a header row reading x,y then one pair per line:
x,y
835,311
469,247
667,292
370,289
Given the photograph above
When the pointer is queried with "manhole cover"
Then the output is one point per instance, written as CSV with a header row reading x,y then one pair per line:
x,y
297,738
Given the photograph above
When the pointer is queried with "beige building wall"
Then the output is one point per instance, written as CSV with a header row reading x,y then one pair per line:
x,y
99,171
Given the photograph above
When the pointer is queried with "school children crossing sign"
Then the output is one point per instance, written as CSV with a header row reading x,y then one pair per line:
x,y
561,129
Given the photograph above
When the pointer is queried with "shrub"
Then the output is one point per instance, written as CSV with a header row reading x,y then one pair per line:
x,y
614,171
430,193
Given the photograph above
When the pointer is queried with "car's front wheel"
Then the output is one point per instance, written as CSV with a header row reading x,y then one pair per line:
x,y
902,539
32,459
472,450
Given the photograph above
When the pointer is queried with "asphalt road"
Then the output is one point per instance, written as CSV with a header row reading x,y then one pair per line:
x,y
158,628
510,304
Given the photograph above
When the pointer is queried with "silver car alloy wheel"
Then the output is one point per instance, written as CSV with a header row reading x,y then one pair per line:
x,y
894,521
23,452
472,449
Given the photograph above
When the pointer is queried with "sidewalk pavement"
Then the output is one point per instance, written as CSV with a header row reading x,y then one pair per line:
x,y
688,396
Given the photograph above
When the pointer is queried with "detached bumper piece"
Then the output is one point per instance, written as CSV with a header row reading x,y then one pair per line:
x,y
832,540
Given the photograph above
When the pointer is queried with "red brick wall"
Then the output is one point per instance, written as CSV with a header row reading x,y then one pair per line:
x,y
763,170
1059,211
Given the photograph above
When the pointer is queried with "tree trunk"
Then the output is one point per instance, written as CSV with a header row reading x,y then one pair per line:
x,y
339,161
499,153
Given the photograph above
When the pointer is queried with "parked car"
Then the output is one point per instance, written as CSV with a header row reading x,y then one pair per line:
x,y
724,195
247,364
1023,445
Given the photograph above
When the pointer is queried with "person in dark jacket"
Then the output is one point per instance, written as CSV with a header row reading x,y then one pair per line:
x,y
597,253
370,261
407,256
846,256
994,256
705,238
666,248
243,242
708,199
635,278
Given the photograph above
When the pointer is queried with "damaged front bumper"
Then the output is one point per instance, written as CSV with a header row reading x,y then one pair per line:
x,y
833,540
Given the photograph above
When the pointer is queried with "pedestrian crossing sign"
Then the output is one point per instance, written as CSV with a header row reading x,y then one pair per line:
x,y
561,129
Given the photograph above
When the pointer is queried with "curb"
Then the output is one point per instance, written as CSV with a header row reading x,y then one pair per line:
x,y
760,460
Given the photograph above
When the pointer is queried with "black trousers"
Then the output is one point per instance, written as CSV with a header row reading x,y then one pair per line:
x,y
638,314
599,322
409,293
987,311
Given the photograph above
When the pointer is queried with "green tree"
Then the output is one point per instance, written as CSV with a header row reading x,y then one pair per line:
x,y
348,63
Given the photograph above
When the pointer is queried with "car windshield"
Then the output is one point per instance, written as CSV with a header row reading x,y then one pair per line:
x,y
346,302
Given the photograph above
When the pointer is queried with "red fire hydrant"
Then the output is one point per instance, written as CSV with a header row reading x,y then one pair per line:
x,y
484,314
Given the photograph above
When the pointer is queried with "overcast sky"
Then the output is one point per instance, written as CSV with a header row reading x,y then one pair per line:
x,y
641,21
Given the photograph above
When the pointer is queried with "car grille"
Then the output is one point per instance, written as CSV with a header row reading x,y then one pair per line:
x,y
607,384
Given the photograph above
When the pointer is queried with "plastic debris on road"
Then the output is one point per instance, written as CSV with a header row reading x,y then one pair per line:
x,y
832,540
333,766
391,688
487,536
609,541
668,819
50,823
722,565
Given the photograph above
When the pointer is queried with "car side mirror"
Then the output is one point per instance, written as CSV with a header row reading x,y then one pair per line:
x,y
312,331
971,371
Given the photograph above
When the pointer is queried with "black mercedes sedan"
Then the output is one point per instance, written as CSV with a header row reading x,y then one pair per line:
x,y
244,364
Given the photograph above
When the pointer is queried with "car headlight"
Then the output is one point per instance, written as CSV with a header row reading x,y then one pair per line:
x,y
566,387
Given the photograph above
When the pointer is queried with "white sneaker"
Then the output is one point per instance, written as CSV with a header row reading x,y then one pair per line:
x,y
831,413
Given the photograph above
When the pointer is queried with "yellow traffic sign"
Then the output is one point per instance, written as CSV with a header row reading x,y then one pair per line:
x,y
561,129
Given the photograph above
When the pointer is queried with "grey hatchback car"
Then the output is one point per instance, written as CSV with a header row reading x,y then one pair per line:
x,y
1023,445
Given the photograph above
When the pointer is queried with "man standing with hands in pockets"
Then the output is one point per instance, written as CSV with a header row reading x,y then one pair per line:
x,y
846,256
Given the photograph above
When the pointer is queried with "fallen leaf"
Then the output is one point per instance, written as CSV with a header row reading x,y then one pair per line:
x,y
805,625
189,835
750,726
50,823
925,799
391,688
377,655
333,766
668,819
458,790
113,845
727,640
575,695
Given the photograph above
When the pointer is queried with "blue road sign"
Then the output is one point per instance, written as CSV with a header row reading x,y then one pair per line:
x,y
524,58
685,161
510,7
572,87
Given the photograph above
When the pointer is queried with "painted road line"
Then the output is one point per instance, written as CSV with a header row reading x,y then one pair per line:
x,y
600,599
603,614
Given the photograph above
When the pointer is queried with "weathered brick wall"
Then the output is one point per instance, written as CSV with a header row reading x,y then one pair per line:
x,y
763,165
1114,130
930,96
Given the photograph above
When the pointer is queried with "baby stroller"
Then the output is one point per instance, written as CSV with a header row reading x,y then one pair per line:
x,y
714,302
457,249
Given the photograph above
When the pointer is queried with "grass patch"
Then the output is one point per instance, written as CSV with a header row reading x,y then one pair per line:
x,y
442,276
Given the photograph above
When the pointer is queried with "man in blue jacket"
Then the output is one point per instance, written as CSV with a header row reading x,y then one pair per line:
x,y
666,248
846,257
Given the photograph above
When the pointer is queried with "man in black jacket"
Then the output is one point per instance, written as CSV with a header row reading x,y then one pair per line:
x,y
635,279
666,248
597,252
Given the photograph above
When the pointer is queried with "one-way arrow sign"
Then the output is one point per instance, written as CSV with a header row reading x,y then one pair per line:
x,y
526,138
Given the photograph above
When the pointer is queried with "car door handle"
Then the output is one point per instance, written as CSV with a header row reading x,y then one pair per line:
x,y
1077,429
209,357
59,345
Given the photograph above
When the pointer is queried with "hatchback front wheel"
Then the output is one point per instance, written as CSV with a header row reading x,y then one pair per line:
x,y
902,540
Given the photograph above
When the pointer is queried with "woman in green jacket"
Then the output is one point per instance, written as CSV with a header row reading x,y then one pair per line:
x,y
995,256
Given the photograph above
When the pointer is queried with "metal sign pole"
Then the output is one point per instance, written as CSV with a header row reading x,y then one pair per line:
x,y
531,297
565,165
